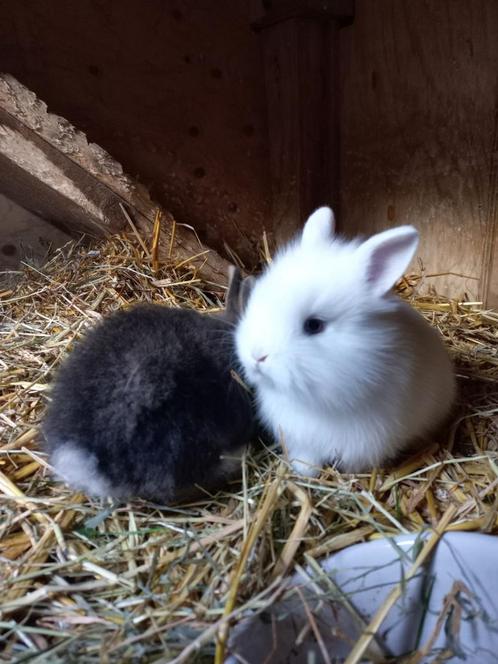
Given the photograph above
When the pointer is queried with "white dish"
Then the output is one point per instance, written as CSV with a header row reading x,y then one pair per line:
x,y
362,576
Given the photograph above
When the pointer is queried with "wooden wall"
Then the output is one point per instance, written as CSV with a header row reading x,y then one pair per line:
x,y
173,89
180,91
419,123
24,234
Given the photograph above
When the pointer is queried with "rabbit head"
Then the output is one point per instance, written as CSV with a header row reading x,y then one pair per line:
x,y
315,317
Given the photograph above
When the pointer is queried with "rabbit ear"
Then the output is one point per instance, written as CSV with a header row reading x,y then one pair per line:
x,y
245,291
238,293
231,311
385,257
319,227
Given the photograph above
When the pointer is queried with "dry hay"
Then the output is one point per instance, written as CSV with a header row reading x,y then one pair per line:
x,y
84,581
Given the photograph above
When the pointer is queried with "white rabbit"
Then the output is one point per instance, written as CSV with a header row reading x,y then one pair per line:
x,y
343,369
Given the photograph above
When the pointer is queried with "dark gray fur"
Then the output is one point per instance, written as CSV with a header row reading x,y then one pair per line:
x,y
148,395
238,293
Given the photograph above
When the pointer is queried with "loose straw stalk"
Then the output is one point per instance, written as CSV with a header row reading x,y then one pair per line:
x,y
156,234
70,558
268,501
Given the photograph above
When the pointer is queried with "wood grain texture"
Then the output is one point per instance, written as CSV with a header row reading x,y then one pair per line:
x,y
176,92
299,40
48,167
418,132
172,90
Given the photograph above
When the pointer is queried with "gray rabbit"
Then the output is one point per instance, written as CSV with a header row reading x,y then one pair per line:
x,y
147,405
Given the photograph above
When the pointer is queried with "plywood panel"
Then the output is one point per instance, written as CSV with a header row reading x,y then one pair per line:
x,y
300,39
49,168
419,130
176,92
172,90
299,118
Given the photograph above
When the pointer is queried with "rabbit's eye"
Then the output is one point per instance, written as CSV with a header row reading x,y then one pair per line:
x,y
313,326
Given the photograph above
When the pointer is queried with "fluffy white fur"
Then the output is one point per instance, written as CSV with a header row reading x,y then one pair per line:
x,y
79,470
376,378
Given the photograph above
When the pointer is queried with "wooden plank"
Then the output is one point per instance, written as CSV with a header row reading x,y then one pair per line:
x,y
37,176
173,90
299,39
50,168
418,132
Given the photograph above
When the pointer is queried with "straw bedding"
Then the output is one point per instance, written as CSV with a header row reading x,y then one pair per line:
x,y
87,581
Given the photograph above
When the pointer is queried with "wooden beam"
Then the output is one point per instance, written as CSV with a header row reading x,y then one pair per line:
x,y
49,167
300,52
